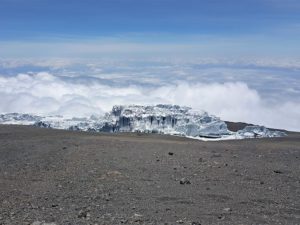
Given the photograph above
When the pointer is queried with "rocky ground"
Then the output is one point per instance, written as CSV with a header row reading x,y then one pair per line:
x,y
53,177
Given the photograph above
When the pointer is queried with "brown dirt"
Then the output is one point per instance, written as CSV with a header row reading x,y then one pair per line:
x,y
62,177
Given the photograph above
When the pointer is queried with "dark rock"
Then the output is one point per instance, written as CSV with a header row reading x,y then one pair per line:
x,y
184,181
221,217
124,221
171,153
42,124
83,214
278,171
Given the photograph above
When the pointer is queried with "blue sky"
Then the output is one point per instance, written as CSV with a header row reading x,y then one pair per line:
x,y
237,59
239,27
90,18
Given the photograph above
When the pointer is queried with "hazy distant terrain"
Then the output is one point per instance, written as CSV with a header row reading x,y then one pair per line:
x,y
64,177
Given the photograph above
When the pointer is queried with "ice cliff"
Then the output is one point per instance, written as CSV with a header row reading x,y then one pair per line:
x,y
163,119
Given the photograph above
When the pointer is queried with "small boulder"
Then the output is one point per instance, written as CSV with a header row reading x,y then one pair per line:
x,y
184,181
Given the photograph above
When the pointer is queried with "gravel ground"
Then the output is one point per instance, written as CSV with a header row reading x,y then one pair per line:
x,y
53,177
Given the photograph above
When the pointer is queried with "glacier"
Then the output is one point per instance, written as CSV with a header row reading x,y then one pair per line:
x,y
161,119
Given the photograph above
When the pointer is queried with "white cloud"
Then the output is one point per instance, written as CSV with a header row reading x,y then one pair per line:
x,y
44,93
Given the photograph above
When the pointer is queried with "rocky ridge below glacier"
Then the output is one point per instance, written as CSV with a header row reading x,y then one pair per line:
x,y
162,119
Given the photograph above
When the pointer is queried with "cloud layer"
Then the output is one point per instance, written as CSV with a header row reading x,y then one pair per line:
x,y
44,93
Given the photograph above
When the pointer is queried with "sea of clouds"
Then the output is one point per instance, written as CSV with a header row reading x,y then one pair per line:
x,y
256,94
